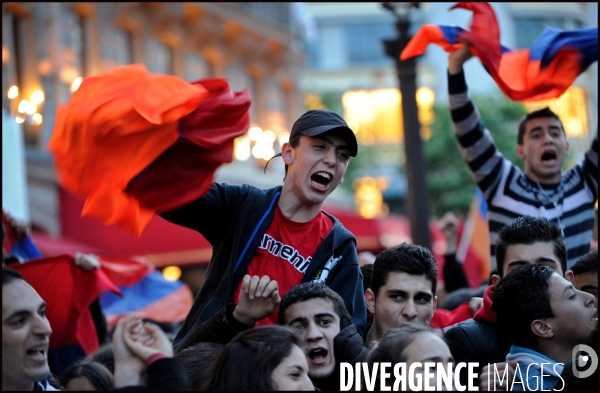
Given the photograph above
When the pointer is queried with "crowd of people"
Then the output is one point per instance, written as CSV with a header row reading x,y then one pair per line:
x,y
285,301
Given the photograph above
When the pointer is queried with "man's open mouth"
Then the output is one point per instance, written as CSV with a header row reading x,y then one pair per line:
x,y
317,355
549,156
321,180
37,353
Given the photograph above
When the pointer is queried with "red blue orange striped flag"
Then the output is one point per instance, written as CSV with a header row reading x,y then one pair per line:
x,y
543,71
474,246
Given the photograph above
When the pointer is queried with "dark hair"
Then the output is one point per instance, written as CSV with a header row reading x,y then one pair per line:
x,y
312,290
587,263
529,230
406,258
519,299
294,142
246,363
392,345
367,272
9,275
197,360
540,113
96,373
105,356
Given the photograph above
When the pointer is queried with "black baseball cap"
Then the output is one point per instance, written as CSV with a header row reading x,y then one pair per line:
x,y
316,122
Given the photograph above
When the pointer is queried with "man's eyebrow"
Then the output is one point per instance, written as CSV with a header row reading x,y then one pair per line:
x,y
324,315
424,294
24,312
568,287
18,313
588,287
396,292
299,319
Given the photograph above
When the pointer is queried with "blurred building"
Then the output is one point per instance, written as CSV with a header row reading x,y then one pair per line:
x,y
48,47
348,69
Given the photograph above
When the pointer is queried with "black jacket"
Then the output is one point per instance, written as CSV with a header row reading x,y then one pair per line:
x,y
476,341
233,219
165,374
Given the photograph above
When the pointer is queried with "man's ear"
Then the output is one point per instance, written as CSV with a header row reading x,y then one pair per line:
x,y
287,153
495,279
435,300
569,276
519,151
541,328
370,299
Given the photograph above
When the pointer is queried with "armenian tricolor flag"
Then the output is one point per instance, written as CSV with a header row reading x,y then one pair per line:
x,y
144,291
473,249
543,71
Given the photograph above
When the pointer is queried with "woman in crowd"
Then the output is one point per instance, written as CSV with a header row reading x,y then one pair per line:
x,y
412,344
263,358
86,375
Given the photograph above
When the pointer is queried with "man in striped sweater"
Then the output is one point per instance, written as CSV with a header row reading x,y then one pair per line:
x,y
543,189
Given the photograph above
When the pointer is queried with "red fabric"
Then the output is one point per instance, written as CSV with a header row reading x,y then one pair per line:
x,y
485,312
125,271
301,239
444,318
427,34
184,172
113,127
68,291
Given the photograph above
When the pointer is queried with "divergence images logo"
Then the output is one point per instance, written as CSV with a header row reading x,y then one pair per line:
x,y
589,356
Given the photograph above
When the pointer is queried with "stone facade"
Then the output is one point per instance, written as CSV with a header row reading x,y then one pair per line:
x,y
46,46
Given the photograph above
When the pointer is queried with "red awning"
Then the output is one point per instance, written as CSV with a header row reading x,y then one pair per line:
x,y
169,244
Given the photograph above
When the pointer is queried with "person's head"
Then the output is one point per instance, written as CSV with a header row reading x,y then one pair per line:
x,y
197,359
585,274
25,333
86,375
528,240
542,145
105,356
411,344
263,358
403,285
318,314
317,155
538,308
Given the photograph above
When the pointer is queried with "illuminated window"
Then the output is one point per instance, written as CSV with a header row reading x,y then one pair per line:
x,y
571,108
374,115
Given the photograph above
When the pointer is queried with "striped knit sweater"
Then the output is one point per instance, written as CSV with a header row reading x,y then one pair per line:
x,y
510,193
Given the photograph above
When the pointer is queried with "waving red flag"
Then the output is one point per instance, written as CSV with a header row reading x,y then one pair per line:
x,y
167,134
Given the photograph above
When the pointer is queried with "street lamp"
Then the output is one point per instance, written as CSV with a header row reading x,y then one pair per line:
x,y
417,197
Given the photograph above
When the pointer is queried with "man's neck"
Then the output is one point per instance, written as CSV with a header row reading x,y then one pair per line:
x,y
558,353
550,181
295,210
371,338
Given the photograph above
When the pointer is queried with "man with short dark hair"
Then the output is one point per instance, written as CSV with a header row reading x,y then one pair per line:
x,y
403,284
544,317
585,274
524,241
542,189
25,335
320,317
282,232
